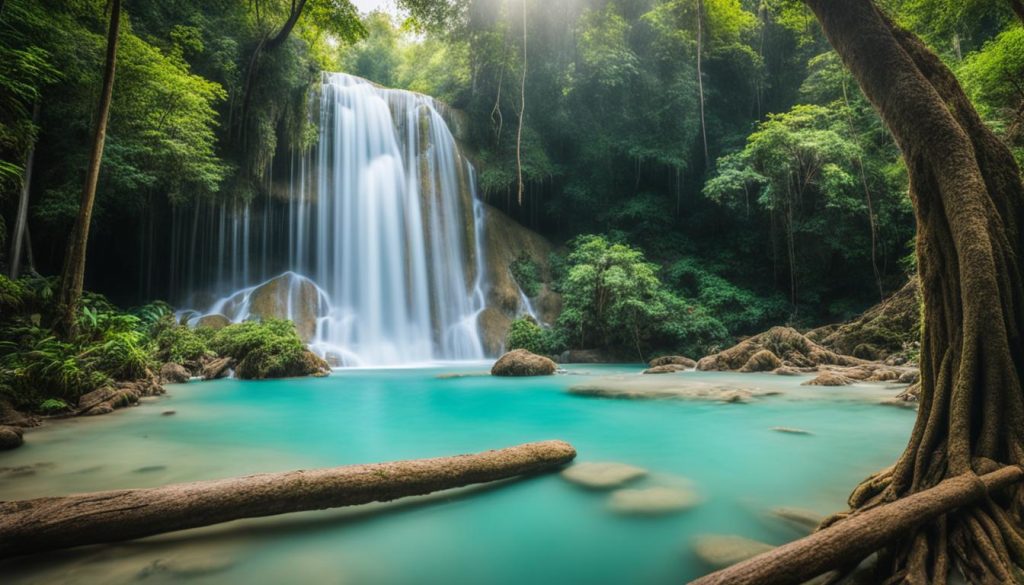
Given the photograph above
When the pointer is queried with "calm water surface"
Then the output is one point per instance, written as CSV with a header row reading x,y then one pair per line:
x,y
537,531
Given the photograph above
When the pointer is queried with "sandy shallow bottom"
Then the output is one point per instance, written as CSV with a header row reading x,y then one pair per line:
x,y
726,455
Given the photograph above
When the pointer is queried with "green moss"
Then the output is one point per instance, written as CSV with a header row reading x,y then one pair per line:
x,y
267,349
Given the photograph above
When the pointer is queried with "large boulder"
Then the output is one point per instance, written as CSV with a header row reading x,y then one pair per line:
x,y
217,368
213,321
787,345
289,296
653,501
520,362
10,437
172,373
722,550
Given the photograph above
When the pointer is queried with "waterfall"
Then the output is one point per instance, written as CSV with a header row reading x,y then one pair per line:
x,y
381,216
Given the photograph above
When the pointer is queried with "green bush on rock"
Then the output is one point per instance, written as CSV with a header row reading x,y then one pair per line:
x,y
524,333
267,349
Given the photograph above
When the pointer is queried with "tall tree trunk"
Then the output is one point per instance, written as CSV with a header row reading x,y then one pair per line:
x,y
73,275
21,218
700,78
969,202
522,113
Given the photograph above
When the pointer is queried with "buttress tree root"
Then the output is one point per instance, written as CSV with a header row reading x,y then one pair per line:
x,y
967,195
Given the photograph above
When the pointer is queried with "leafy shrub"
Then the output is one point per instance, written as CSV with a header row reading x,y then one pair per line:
x,y
53,406
524,333
267,349
527,275
613,298
180,344
35,365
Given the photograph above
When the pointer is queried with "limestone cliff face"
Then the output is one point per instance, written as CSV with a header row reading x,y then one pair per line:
x,y
505,241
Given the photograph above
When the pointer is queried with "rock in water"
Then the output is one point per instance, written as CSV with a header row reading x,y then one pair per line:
x,y
675,360
666,369
171,373
791,431
602,475
520,362
652,501
720,551
829,379
10,437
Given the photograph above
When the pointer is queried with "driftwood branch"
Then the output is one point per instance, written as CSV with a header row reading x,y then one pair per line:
x,y
32,526
855,538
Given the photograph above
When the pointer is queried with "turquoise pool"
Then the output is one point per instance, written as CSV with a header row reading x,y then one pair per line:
x,y
537,531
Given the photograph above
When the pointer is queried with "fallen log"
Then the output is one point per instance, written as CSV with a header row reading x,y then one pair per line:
x,y
849,542
44,524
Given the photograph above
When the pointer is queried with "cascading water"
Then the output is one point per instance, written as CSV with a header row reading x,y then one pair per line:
x,y
383,217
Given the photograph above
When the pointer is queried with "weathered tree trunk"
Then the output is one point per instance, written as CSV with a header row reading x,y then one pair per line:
x,y
969,200
73,275
32,526
21,218
847,543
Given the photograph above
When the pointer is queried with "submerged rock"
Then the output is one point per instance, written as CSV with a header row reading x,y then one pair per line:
x,y
799,519
666,369
675,360
664,388
10,437
652,501
791,431
829,378
171,373
720,551
520,362
602,475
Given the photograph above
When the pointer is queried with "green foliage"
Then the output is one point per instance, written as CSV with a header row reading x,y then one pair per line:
x,y
613,298
180,344
53,406
267,349
524,333
986,76
527,275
